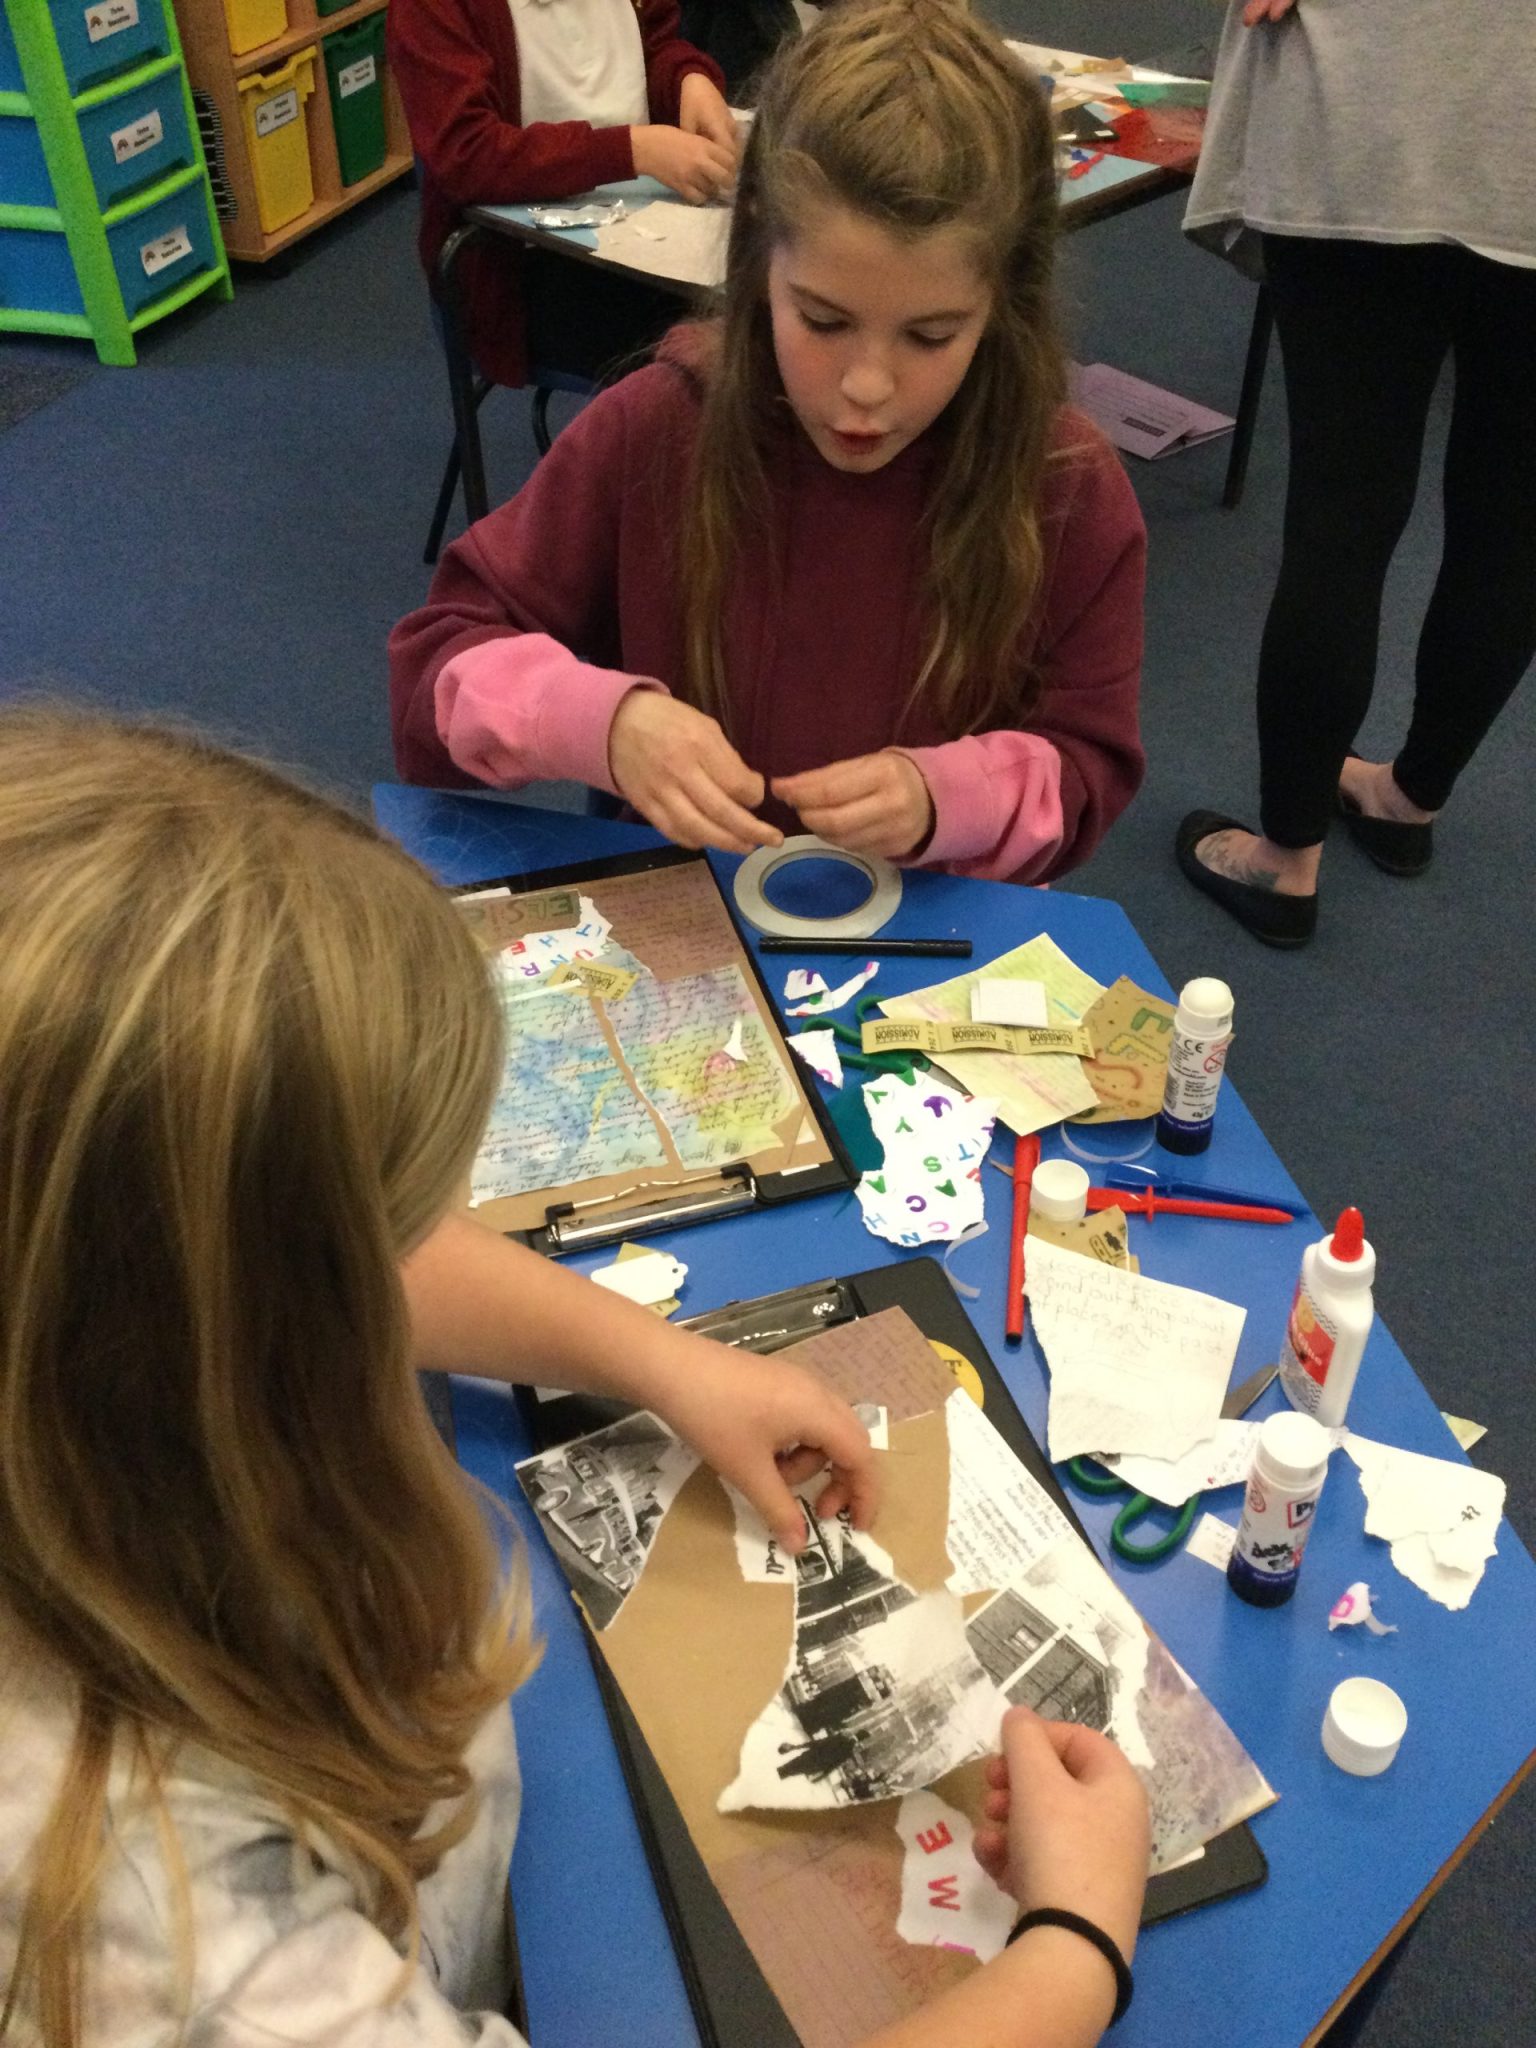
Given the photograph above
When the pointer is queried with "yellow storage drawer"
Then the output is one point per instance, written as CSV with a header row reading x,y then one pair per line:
x,y
277,138
254,22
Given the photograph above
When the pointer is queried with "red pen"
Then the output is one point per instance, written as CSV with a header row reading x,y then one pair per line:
x,y
1085,164
1026,1157
1148,1204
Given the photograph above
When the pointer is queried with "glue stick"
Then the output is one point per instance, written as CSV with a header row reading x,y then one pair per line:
x,y
1289,1467
1330,1320
1197,1057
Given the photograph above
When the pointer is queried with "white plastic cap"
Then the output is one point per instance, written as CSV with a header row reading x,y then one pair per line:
x,y
1293,1449
1364,1723
1205,1008
1058,1191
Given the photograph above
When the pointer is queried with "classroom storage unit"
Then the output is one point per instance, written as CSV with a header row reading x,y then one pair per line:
x,y
277,139
352,149
107,218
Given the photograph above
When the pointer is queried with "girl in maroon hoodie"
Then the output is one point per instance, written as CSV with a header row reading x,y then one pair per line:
x,y
841,560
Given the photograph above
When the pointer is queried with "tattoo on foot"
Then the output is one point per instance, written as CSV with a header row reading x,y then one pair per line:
x,y
1230,854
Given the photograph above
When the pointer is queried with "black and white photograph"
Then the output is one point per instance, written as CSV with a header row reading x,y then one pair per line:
x,y
601,1500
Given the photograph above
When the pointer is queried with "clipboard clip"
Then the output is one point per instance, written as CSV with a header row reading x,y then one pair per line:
x,y
567,1228
772,1322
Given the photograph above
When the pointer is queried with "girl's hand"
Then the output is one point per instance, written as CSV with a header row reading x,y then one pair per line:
x,y
1266,10
702,111
683,776
766,1425
876,803
694,167
1066,1824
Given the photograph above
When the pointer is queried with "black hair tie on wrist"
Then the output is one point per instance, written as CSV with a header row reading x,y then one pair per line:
x,y
1057,1916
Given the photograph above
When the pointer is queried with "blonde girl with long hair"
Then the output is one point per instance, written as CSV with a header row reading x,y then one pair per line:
x,y
257,1780
841,559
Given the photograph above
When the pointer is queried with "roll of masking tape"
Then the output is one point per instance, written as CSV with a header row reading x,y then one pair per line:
x,y
876,911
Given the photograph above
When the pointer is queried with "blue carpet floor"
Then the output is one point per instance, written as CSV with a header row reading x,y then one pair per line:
x,y
228,531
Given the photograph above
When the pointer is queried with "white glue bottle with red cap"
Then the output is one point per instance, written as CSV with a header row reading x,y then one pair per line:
x,y
1330,1320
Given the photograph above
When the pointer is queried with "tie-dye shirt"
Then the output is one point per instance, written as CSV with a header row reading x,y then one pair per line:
x,y
282,1950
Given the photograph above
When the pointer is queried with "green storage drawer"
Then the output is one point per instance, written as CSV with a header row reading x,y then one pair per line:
x,y
354,72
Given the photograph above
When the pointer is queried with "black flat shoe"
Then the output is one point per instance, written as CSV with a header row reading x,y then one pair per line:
x,y
1274,919
1396,849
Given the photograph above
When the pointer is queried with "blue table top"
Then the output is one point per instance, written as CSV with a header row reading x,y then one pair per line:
x,y
1349,1858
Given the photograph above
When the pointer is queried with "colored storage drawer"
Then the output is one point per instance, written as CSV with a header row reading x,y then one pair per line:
x,y
24,179
11,79
137,137
254,22
98,38
277,138
153,251
331,6
354,69
36,275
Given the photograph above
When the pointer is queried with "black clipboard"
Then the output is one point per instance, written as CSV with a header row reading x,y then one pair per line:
x,y
733,1188
731,1999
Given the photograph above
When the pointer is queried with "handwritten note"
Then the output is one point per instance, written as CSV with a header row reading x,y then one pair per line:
x,y
1136,1365
563,1112
717,1109
1001,1519
1225,1460
1030,1090
673,919
1440,1517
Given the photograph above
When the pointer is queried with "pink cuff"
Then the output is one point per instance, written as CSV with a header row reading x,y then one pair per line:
x,y
996,804
521,708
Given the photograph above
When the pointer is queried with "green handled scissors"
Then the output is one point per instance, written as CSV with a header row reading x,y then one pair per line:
x,y
1089,1476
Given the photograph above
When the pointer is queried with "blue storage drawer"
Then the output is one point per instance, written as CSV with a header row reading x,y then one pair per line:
x,y
153,251
136,138
24,179
36,274
98,38
10,64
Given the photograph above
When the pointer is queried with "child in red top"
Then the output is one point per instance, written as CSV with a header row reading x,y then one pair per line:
x,y
842,561
460,73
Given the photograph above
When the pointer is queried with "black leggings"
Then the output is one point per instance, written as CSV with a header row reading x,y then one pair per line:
x,y
1364,329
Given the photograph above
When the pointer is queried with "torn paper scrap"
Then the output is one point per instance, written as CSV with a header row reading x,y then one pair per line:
x,y
1031,1089
927,1188
1353,1606
1211,1540
611,984
1131,1032
1008,1002
1001,1519
1102,1234
947,1899
762,1560
600,1500
628,1251
1440,1517
495,917
882,1693
877,1421
1466,1433
819,1051
732,1054
646,1278
807,995
1136,1364
1225,1460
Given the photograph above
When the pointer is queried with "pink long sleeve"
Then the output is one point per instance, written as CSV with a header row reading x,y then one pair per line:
x,y
524,709
996,805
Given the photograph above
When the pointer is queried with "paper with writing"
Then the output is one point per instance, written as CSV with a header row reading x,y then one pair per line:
x,y
564,1111
1001,1519
1031,1090
1136,1364
1440,1517
947,1899
598,977
716,1109
1128,1069
1225,1460
495,917
928,1187
1212,1541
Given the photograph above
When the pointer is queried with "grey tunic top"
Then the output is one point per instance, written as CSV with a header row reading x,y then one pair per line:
x,y
1375,121
283,1951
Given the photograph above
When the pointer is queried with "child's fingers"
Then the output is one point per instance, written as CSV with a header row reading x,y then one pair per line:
x,y
990,1848
686,825
841,782
742,831
997,1805
858,826
729,772
996,1772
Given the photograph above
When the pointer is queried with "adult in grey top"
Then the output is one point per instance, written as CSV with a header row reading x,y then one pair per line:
x,y
1368,159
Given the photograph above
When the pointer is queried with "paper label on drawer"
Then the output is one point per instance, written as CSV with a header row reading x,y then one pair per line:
x,y
165,250
356,76
278,111
107,18
138,136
